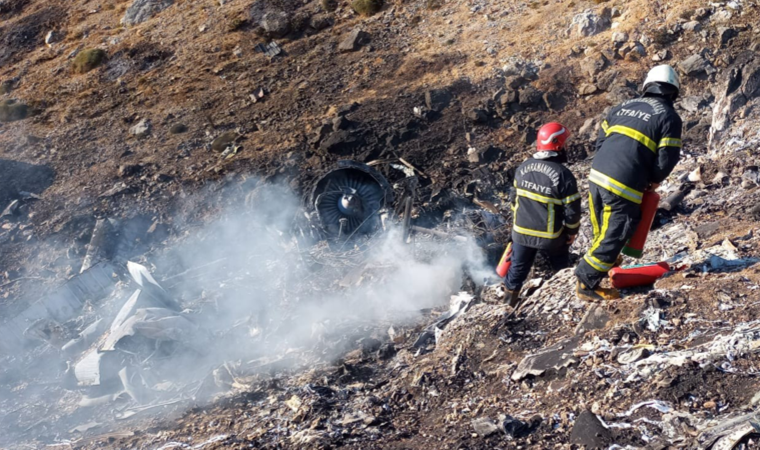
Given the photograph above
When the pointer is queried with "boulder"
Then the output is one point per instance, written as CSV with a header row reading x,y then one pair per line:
x,y
477,115
588,23
276,24
740,85
354,41
342,142
141,10
696,65
619,38
594,65
530,97
437,99
319,22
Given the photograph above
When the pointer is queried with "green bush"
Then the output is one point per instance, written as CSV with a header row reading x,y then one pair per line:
x,y
367,7
11,111
87,60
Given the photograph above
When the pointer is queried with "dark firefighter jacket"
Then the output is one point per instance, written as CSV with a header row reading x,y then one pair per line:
x,y
639,143
547,206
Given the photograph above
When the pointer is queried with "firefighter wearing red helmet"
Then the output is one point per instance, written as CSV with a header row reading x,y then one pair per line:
x,y
546,208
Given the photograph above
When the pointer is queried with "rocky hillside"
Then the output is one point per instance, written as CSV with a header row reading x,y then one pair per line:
x,y
158,113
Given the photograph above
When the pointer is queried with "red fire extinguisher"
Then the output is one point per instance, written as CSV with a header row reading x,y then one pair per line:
x,y
635,246
643,275
505,262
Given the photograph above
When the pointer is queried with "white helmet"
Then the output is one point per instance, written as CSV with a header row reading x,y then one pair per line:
x,y
662,74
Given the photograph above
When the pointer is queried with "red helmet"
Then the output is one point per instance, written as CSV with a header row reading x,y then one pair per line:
x,y
552,137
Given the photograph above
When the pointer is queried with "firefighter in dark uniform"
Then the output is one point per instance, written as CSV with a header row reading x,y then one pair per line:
x,y
639,144
547,209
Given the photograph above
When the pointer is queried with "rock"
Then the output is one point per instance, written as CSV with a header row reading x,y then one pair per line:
x,y
662,55
700,14
619,38
693,103
522,68
692,26
129,170
477,115
141,10
343,142
740,85
340,123
484,427
354,41
589,433
721,16
529,96
695,65
223,141
142,129
515,82
594,65
588,24
276,24
587,89
725,35
596,318
319,22
516,428
437,99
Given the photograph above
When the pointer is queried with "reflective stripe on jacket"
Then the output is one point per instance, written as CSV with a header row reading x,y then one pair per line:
x,y
639,143
547,206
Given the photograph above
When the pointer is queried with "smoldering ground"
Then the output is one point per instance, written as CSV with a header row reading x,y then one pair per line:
x,y
258,294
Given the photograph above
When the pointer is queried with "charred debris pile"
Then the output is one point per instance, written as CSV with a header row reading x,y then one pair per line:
x,y
268,288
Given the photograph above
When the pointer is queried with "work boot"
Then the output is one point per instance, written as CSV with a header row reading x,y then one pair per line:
x,y
513,297
598,294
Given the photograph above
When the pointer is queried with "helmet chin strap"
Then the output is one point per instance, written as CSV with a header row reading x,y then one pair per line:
x,y
663,89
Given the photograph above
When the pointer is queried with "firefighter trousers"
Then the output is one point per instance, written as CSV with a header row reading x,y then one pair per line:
x,y
614,220
523,258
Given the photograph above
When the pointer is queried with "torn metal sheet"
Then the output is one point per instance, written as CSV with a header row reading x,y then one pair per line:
x,y
61,305
553,358
87,337
160,324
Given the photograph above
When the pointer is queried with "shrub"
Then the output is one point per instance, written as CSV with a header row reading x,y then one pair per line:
x,y
6,87
236,24
433,4
87,60
367,7
11,111
329,5
178,128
